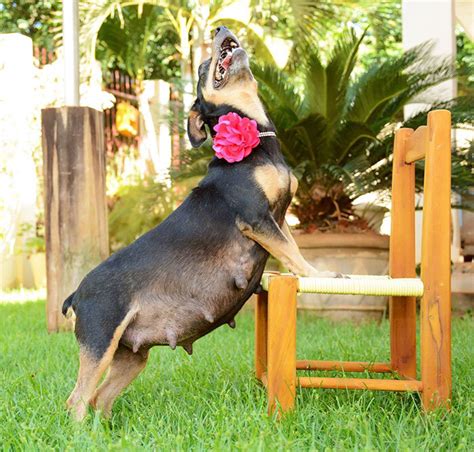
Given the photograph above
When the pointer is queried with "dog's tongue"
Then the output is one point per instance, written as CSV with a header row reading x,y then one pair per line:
x,y
226,62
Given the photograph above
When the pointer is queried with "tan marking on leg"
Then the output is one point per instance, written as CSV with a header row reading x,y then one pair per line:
x,y
91,369
271,180
124,368
293,184
285,252
287,232
284,249
87,367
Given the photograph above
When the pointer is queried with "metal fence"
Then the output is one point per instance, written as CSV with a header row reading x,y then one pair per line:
x,y
43,56
121,85
124,88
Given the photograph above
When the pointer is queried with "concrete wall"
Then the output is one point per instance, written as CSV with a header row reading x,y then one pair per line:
x,y
17,142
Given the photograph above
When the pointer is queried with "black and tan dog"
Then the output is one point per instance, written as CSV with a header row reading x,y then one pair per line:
x,y
193,272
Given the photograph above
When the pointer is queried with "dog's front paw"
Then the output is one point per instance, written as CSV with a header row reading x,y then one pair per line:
x,y
316,274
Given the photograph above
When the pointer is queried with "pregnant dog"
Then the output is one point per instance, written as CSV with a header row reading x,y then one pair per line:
x,y
193,272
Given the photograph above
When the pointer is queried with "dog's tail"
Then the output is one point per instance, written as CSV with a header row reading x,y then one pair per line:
x,y
67,304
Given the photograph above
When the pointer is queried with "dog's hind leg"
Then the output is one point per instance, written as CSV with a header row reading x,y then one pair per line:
x,y
92,364
124,368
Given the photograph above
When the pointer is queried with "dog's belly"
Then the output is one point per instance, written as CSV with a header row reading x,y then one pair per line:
x,y
204,298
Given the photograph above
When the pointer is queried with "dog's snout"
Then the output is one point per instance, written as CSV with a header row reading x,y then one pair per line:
x,y
219,29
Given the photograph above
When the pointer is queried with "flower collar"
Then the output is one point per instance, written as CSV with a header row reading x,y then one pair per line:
x,y
236,137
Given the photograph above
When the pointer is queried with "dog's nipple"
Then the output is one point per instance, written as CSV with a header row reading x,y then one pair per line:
x,y
171,338
241,282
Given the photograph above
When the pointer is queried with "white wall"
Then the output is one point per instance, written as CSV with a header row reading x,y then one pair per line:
x,y
17,141
155,143
432,20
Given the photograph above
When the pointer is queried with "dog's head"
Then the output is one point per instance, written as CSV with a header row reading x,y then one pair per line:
x,y
225,84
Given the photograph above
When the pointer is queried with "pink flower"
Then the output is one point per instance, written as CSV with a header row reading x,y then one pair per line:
x,y
235,138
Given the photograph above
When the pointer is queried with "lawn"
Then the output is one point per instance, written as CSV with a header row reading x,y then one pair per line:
x,y
211,401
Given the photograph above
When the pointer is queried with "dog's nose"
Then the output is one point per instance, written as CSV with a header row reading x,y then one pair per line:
x,y
218,29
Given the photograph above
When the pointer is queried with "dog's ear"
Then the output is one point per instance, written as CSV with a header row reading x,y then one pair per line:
x,y
196,129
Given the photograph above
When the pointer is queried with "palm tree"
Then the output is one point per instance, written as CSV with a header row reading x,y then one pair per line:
x,y
335,127
190,21
193,20
136,47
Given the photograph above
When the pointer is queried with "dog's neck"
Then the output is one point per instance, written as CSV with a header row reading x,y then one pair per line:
x,y
212,113
242,99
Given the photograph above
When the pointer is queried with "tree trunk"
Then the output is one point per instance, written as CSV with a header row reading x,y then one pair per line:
x,y
75,203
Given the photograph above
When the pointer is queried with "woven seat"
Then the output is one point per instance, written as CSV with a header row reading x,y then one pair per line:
x,y
275,312
358,285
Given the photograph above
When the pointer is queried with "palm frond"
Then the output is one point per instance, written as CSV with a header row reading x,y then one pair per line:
x,y
315,85
193,165
312,19
92,15
310,14
278,94
341,62
386,87
305,145
350,139
462,115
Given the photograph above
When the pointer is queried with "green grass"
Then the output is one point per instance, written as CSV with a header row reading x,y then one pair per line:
x,y
211,401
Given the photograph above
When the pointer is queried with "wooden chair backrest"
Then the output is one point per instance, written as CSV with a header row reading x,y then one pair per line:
x,y
433,143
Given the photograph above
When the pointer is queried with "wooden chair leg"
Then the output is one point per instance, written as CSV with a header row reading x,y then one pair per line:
x,y
402,259
281,353
436,266
261,326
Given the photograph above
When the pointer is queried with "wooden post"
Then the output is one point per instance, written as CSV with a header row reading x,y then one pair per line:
x,y
402,259
281,376
436,265
75,203
261,326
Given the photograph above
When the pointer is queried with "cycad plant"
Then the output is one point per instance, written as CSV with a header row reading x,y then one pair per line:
x,y
336,125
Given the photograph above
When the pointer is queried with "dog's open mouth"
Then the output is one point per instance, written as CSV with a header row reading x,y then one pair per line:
x,y
223,63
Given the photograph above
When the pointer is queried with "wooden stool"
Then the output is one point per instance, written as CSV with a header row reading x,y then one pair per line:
x,y
275,338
